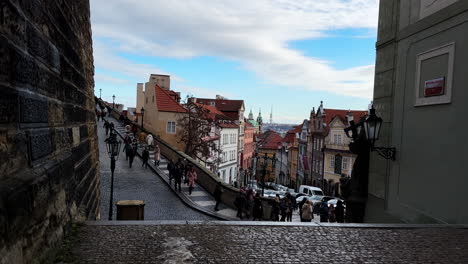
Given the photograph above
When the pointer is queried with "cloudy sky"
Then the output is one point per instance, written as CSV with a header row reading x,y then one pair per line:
x,y
283,54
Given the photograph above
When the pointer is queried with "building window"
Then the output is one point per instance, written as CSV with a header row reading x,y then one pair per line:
x,y
332,161
171,127
338,164
434,75
345,163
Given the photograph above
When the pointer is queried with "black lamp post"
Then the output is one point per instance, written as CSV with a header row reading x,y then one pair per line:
x,y
364,134
142,115
264,166
100,92
113,149
113,101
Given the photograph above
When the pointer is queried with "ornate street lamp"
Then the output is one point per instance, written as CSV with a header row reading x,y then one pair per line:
x,y
364,134
371,125
113,150
113,101
142,115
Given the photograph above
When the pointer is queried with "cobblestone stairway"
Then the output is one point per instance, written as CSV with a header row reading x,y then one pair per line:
x,y
200,198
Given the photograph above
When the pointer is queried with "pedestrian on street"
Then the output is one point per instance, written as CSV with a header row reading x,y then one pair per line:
x,y
178,177
276,209
289,211
283,208
192,177
323,211
339,212
128,150
331,214
145,157
249,202
157,155
257,208
134,130
111,126
107,127
307,212
149,141
98,115
300,204
170,169
131,156
239,202
217,195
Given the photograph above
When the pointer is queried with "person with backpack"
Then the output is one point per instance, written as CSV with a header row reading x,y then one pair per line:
x,y
145,157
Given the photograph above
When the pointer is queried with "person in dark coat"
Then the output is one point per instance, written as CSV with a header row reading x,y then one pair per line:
x,y
145,157
283,208
170,168
289,211
323,211
257,208
240,203
107,127
131,157
128,150
276,208
339,212
217,195
178,176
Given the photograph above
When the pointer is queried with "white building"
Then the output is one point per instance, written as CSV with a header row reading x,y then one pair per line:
x,y
229,134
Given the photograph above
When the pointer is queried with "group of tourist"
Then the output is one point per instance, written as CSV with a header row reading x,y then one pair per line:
x,y
181,171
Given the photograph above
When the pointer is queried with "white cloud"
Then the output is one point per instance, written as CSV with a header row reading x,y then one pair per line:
x,y
254,33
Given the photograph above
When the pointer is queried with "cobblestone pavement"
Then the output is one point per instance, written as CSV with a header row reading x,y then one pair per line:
x,y
217,243
137,183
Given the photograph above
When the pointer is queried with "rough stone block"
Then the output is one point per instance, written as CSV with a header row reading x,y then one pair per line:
x,y
8,106
12,23
33,110
40,144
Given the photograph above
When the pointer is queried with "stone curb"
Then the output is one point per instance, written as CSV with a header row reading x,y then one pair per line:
x,y
278,224
181,196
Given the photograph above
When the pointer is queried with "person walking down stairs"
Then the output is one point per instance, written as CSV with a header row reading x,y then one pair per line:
x,y
145,157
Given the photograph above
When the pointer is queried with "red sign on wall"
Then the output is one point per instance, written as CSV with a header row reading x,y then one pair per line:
x,y
434,87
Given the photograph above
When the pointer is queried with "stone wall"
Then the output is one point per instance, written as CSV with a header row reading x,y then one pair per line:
x,y
48,140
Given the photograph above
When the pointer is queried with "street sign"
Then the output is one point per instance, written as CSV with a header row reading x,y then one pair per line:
x,y
434,87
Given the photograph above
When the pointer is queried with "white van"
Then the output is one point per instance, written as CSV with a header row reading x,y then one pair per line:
x,y
310,190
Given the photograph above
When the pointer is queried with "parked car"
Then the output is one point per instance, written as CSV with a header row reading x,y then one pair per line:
x,y
333,202
310,190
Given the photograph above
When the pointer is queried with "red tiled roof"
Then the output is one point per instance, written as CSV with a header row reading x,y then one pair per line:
x,y
228,125
166,103
213,112
332,113
224,105
272,140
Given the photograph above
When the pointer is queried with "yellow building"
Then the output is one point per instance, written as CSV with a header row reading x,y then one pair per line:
x,y
338,158
162,109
